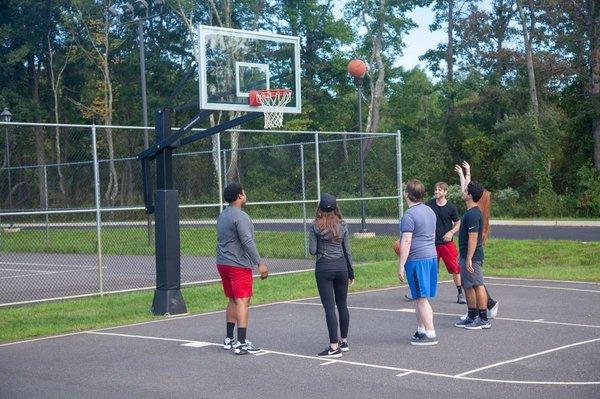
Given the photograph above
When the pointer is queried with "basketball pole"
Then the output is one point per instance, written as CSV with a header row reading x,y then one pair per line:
x,y
167,295
361,156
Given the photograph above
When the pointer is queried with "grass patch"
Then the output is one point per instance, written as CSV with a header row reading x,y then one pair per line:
x,y
561,260
194,242
113,310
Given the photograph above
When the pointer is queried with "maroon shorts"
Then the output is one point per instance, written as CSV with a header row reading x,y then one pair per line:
x,y
237,281
447,252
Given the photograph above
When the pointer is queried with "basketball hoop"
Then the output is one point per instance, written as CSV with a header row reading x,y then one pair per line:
x,y
273,102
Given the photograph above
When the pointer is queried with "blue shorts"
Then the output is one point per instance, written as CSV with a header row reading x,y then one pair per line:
x,y
421,275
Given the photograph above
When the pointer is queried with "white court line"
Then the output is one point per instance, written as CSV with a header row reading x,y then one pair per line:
x,y
187,341
407,310
49,272
40,339
25,270
541,279
544,287
327,363
382,367
526,357
197,344
44,264
403,374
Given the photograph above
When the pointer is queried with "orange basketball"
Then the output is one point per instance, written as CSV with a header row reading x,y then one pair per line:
x,y
357,68
396,247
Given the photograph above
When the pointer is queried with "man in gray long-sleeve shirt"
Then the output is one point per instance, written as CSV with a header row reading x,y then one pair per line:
x,y
236,255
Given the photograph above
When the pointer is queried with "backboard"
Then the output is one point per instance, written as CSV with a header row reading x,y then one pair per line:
x,y
233,62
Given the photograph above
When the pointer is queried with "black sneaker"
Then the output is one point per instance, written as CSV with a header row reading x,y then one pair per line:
x,y
344,346
245,348
423,340
331,352
479,324
460,298
463,322
417,336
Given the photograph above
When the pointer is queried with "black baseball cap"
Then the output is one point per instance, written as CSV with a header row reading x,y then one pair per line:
x,y
327,203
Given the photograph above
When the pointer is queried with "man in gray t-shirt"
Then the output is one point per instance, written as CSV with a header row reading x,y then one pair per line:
x,y
236,256
418,260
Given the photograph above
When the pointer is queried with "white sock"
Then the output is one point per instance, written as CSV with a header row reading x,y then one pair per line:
x,y
430,333
421,330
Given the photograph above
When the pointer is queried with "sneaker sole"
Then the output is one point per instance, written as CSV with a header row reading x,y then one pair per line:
x,y
423,343
345,349
329,356
479,327
240,353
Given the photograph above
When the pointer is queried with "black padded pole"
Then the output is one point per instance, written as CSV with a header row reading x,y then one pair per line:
x,y
167,296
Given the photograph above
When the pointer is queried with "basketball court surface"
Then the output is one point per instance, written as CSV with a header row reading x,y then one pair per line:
x,y
544,343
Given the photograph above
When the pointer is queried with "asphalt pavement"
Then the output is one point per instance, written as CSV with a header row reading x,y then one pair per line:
x,y
544,343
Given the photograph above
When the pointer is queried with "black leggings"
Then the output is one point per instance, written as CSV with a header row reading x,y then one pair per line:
x,y
330,284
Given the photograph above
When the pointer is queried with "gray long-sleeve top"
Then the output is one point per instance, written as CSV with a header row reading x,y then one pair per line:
x,y
235,239
329,250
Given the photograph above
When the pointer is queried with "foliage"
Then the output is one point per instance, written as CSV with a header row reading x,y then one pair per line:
x,y
480,115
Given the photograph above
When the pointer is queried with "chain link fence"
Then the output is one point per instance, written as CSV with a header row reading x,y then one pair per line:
x,y
72,220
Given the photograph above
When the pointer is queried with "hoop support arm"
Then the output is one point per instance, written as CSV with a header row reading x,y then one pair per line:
x,y
222,127
173,140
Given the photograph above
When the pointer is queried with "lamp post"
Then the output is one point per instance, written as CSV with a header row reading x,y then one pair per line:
x,y
357,69
128,7
6,116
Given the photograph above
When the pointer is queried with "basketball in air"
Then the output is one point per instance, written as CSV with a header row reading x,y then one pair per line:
x,y
357,68
396,247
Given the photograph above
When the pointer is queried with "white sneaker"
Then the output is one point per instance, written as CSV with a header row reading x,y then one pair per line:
x,y
465,317
228,343
245,348
493,312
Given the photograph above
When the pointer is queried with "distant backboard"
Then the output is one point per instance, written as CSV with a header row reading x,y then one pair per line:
x,y
233,62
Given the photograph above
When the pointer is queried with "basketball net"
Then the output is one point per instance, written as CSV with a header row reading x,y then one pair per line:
x,y
273,103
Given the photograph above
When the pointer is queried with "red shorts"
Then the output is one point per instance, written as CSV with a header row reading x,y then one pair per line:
x,y
237,281
447,252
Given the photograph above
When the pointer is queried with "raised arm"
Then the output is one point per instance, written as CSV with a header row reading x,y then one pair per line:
x,y
467,167
465,178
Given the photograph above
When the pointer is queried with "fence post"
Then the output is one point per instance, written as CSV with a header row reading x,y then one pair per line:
x,y
303,200
399,190
98,216
46,202
224,168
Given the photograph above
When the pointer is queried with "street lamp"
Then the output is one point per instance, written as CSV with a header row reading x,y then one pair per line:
x,y
357,69
128,7
6,116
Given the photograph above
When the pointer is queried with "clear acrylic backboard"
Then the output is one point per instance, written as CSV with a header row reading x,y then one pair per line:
x,y
234,62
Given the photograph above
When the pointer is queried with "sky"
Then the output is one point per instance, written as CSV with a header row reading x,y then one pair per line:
x,y
420,39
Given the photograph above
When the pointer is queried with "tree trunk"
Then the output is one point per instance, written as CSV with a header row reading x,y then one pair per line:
x,y
594,33
377,88
56,92
451,130
40,154
112,189
530,71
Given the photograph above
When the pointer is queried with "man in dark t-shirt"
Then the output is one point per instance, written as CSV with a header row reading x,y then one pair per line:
x,y
471,260
447,224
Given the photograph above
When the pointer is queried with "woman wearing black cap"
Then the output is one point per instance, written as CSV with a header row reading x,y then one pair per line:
x,y
333,271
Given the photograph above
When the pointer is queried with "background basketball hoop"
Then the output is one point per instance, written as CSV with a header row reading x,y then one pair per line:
x,y
273,103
